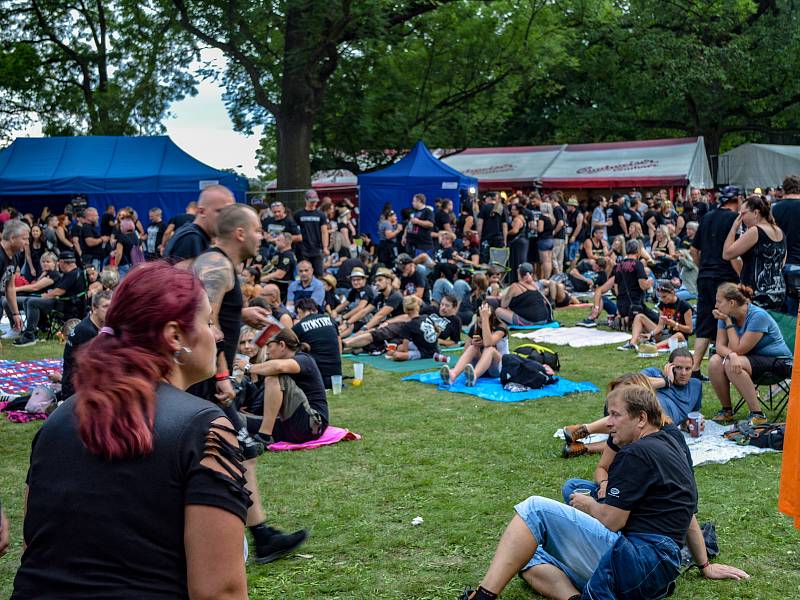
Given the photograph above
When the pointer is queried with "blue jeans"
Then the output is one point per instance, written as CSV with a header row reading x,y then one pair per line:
x,y
572,250
442,287
609,306
791,273
606,565
683,294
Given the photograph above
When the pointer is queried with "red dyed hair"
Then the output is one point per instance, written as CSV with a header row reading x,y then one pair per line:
x,y
116,375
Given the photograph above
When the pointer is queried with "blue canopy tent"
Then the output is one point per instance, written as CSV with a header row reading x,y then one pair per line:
x,y
140,172
419,172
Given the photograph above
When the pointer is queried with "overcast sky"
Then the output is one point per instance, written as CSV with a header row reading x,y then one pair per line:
x,y
202,128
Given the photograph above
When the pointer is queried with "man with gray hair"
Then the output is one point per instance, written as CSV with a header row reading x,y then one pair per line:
x,y
16,236
154,245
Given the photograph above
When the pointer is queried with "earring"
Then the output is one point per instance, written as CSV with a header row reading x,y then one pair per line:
x,y
177,354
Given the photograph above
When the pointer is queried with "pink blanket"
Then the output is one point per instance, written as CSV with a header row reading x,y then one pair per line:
x,y
20,416
330,436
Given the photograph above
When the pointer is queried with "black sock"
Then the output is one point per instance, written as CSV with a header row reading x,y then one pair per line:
x,y
261,533
484,594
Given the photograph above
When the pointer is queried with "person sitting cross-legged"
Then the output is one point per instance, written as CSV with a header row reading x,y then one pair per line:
x,y
674,320
523,303
629,545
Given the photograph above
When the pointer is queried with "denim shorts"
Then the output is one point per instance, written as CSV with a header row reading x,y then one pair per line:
x,y
545,245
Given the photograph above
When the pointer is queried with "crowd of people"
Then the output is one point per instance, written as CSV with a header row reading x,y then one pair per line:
x,y
262,304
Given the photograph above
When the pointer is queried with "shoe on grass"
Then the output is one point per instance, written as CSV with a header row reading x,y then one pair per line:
x,y
574,449
24,340
279,544
627,346
723,417
573,433
587,322
699,375
444,373
757,418
469,373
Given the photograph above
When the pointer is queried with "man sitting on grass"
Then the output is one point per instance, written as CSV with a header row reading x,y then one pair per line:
x,y
674,320
628,546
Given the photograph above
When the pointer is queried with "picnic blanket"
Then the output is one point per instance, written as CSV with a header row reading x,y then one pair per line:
x,y
395,366
331,435
709,448
358,357
576,337
21,377
491,389
553,325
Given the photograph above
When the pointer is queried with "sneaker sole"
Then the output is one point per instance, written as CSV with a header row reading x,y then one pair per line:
x,y
25,344
469,374
444,375
263,560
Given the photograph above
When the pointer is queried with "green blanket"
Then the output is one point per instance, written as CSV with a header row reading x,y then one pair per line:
x,y
407,366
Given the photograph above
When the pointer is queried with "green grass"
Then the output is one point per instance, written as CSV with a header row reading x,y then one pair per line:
x,y
461,463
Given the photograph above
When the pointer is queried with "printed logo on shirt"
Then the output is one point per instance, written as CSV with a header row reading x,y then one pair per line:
x,y
613,492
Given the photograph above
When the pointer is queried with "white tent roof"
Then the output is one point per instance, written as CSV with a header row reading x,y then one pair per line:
x,y
505,167
759,165
651,163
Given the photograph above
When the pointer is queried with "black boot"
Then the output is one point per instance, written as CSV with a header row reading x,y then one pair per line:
x,y
272,544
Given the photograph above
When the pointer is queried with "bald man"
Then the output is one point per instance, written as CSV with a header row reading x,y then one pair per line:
x,y
194,238
272,294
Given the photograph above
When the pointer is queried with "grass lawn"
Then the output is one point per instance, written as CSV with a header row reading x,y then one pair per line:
x,y
461,463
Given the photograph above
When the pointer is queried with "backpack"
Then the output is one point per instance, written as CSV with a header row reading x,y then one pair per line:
x,y
524,371
541,354
768,435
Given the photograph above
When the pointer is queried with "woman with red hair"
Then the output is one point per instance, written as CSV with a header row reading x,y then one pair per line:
x,y
136,488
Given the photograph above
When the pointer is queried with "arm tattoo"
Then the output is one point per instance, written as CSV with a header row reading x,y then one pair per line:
x,y
214,270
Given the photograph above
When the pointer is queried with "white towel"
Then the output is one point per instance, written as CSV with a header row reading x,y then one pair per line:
x,y
577,337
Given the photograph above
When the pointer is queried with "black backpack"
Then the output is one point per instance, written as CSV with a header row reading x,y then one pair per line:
x,y
541,354
524,371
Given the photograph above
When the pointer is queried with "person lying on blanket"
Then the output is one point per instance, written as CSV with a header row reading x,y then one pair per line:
x,y
412,336
483,353
677,392
627,545
295,404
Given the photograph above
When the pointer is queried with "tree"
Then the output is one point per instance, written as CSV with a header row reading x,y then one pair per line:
x,y
107,67
718,68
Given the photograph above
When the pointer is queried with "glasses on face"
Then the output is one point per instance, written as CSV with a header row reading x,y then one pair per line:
x,y
272,342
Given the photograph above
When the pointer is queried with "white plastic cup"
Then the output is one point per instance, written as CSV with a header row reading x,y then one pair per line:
x,y
582,491
336,384
358,371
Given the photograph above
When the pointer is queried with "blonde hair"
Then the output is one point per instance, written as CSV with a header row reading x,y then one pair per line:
x,y
411,303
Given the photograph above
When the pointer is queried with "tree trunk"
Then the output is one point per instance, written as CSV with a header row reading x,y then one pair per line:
x,y
713,141
294,151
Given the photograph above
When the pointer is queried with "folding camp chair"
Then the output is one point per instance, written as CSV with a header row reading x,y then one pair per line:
x,y
499,257
778,386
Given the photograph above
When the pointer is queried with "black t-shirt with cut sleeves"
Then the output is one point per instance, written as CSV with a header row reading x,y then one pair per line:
x,y
627,274
653,479
115,529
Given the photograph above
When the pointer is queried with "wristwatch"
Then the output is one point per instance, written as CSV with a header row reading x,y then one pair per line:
x,y
247,368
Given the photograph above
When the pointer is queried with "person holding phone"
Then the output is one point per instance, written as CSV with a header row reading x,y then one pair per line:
x,y
488,343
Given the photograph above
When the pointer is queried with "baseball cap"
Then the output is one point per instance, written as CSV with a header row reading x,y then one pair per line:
x,y
311,196
357,272
404,259
525,267
572,202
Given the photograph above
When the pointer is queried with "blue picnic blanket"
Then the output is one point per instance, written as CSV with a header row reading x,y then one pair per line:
x,y
490,388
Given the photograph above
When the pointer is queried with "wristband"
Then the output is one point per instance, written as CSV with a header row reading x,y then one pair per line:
x,y
222,376
704,565
666,381
729,326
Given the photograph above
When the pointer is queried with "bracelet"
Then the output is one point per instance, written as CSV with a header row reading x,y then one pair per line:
x,y
729,326
704,565
222,376
666,381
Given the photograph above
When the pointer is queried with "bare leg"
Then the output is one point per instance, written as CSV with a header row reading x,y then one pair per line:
x,y
359,341
720,381
546,258
505,314
255,514
273,398
488,357
599,426
550,581
700,347
401,353
596,447
640,322
469,354
744,383
514,550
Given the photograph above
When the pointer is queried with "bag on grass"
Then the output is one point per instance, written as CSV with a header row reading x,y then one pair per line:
x,y
539,353
41,399
524,371
768,435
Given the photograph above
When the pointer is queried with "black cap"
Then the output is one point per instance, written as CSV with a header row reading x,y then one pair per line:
x,y
730,192
524,268
404,259
67,256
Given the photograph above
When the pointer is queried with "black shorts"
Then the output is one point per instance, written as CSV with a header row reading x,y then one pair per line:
x,y
759,365
393,332
706,326
631,310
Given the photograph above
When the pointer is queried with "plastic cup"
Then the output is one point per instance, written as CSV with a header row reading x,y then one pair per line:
x,y
694,422
358,372
336,384
582,491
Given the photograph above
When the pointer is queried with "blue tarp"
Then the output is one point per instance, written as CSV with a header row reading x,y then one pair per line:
x,y
141,172
419,172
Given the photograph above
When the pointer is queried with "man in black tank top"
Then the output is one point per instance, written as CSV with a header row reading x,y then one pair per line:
x,y
239,236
